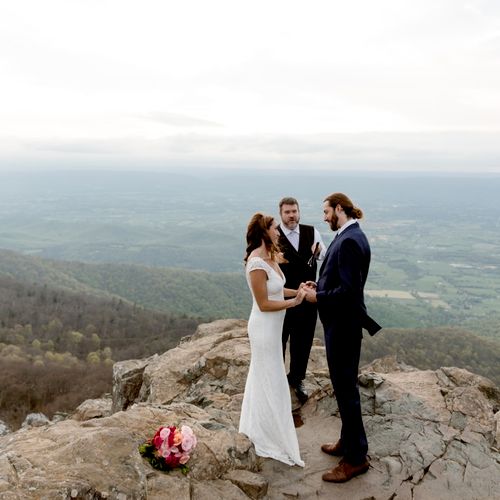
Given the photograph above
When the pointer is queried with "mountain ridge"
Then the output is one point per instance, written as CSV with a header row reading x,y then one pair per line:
x,y
164,289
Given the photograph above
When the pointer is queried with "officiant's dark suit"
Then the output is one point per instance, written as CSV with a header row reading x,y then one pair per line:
x,y
342,311
300,321
297,242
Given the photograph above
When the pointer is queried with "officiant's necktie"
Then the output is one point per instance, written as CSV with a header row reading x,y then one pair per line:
x,y
293,238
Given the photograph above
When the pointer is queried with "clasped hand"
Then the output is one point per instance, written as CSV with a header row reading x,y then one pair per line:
x,y
309,290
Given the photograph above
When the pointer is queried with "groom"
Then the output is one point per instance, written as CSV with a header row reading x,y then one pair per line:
x,y
341,307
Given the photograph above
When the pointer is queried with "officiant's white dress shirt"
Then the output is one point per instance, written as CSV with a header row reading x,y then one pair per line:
x,y
293,236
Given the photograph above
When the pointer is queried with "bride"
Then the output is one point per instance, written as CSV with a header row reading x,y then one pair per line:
x,y
266,416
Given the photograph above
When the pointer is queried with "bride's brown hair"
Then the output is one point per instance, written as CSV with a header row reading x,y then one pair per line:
x,y
257,233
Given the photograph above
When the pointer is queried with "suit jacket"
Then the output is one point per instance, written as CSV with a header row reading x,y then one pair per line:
x,y
340,287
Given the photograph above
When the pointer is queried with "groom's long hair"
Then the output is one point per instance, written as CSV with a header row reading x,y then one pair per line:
x,y
257,232
346,204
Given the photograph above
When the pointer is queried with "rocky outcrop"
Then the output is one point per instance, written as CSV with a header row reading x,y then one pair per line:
x,y
127,382
99,458
432,434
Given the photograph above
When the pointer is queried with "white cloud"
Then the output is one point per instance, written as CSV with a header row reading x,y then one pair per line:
x,y
446,151
196,75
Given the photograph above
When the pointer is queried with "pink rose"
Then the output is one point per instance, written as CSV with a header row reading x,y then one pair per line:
x,y
165,432
165,449
189,440
184,458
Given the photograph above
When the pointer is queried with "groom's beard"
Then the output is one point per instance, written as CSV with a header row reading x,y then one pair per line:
x,y
334,223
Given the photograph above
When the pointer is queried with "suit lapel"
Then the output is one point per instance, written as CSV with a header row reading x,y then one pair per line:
x,y
329,249
327,254
335,242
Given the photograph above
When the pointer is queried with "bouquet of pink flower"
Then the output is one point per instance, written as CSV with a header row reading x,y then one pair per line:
x,y
169,448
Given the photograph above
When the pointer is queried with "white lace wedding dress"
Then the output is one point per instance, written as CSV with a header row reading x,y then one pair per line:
x,y
266,415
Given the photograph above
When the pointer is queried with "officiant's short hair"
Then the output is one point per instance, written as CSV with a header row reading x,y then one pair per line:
x,y
288,200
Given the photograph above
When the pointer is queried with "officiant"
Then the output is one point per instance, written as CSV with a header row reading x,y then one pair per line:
x,y
302,246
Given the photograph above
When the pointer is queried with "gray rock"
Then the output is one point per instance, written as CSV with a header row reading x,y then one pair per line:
x,y
254,485
100,458
127,382
387,364
216,490
59,416
218,328
93,408
4,428
35,420
452,377
370,379
213,362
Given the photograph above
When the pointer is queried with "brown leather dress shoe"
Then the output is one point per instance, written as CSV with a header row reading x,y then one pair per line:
x,y
333,449
345,471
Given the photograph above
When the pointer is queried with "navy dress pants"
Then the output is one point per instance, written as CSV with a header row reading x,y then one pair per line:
x,y
343,350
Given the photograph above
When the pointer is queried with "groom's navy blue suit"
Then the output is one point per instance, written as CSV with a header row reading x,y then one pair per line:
x,y
343,313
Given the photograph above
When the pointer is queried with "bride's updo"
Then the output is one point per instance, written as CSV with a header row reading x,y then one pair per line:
x,y
257,233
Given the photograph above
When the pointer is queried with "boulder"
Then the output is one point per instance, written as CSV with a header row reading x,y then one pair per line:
x,y
127,382
94,408
208,371
99,458
252,484
452,377
35,420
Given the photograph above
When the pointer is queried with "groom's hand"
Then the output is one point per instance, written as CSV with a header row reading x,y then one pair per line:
x,y
309,284
311,295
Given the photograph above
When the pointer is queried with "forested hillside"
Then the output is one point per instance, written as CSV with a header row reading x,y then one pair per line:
x,y
57,347
177,291
212,295
41,319
431,348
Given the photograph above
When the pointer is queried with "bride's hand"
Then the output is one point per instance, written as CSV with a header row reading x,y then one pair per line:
x,y
301,294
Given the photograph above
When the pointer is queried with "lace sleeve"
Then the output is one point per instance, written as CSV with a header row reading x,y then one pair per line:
x,y
256,263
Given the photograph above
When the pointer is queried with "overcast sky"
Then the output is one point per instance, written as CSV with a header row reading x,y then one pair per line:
x,y
338,84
